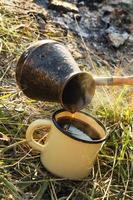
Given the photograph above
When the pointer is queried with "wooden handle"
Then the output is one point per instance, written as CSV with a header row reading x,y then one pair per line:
x,y
114,80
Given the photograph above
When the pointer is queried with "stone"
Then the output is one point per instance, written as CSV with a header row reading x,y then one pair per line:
x,y
63,6
131,38
118,39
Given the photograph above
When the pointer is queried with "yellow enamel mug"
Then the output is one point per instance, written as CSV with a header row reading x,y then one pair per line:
x,y
64,154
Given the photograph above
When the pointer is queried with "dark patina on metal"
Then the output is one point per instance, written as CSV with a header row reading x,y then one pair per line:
x,y
47,71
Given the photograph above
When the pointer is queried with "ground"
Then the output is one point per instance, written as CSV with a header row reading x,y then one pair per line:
x,y
22,175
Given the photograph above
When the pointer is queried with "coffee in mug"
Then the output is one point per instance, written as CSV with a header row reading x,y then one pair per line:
x,y
78,128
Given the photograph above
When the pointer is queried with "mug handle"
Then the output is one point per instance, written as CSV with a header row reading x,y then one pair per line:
x,y
37,124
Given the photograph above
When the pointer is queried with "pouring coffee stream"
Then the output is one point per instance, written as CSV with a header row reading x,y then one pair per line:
x,y
46,71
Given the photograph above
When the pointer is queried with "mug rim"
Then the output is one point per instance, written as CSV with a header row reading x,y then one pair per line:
x,y
67,133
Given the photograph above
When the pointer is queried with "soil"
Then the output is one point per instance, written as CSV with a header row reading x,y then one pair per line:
x,y
102,28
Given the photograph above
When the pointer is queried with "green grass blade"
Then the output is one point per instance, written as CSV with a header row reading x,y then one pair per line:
x,y
13,189
41,191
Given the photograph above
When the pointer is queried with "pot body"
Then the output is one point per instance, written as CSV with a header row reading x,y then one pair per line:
x,y
46,71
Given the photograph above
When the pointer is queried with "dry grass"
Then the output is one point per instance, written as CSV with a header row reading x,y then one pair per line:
x,y
21,174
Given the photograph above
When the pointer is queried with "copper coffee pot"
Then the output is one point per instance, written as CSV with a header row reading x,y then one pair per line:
x,y
47,71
